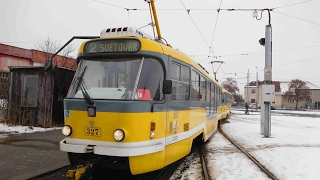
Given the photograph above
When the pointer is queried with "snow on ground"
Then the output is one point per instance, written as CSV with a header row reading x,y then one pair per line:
x,y
10,129
291,153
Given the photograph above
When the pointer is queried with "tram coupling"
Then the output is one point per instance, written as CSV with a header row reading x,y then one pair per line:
x,y
77,173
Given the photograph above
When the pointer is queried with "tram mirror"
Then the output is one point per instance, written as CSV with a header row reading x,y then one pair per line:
x,y
167,86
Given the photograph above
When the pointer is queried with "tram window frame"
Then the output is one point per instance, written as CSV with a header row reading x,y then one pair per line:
x,y
208,89
195,84
213,98
180,77
203,88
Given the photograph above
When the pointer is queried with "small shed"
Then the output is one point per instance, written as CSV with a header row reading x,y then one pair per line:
x,y
36,94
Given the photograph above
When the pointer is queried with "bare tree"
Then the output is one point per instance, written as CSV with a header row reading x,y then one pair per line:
x,y
298,91
238,98
230,85
49,46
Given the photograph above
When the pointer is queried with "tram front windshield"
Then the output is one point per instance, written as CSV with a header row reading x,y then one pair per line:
x,y
118,79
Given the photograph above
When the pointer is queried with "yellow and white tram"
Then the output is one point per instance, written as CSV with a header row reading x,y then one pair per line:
x,y
137,103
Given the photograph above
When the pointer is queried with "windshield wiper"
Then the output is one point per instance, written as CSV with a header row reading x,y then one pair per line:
x,y
81,84
135,93
80,78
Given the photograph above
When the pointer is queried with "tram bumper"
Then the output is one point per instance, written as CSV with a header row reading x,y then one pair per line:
x,y
115,149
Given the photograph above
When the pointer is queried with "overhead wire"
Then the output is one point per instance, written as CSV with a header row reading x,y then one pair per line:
x,y
298,61
292,4
111,5
284,64
188,11
214,30
296,18
247,54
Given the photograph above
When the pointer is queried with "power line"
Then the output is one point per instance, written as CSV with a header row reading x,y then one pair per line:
x,y
128,9
194,23
292,4
247,54
282,65
214,30
297,61
111,5
297,18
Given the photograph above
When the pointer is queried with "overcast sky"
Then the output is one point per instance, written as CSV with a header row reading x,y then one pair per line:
x,y
232,35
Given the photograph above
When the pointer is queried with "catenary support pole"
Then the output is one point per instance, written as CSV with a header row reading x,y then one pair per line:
x,y
268,79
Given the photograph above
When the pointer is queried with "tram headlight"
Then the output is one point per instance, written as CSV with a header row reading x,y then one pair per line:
x,y
118,134
152,134
66,130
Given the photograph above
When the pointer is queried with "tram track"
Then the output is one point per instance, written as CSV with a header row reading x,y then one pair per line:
x,y
256,162
203,163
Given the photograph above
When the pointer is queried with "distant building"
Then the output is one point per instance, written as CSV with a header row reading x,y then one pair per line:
x,y
312,103
253,90
280,101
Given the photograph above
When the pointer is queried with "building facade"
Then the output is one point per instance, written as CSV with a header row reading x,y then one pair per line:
x,y
312,103
255,96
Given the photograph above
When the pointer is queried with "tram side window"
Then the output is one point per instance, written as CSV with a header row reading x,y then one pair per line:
x,y
180,76
202,88
213,99
208,91
219,95
195,82
223,98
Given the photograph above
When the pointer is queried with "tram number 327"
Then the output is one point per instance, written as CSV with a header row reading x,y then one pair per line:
x,y
91,131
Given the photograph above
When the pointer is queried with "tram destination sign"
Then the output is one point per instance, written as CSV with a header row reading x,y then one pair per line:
x,y
112,46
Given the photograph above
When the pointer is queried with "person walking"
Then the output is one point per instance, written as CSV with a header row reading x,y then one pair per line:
x,y
247,107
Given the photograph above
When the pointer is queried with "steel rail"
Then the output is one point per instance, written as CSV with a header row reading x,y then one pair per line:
x,y
262,168
203,163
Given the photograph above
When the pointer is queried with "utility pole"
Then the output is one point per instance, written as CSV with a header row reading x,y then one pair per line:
x,y
257,91
267,89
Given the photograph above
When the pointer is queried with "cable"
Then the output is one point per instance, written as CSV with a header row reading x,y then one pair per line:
x,y
297,61
194,23
129,17
111,5
128,9
279,66
292,4
203,59
247,54
297,18
214,30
